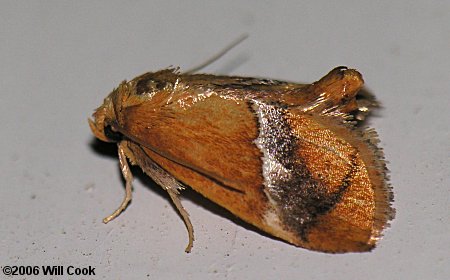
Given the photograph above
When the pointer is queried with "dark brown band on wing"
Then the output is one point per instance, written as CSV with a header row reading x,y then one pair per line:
x,y
300,197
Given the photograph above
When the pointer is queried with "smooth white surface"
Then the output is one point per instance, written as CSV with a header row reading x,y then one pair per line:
x,y
58,60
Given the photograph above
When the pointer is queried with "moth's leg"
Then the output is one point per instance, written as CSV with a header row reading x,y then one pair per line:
x,y
136,155
176,200
126,172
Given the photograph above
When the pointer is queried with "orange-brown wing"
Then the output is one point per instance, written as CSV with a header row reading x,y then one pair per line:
x,y
208,146
295,172
347,172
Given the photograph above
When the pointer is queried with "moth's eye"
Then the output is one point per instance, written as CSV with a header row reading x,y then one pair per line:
x,y
111,134
150,86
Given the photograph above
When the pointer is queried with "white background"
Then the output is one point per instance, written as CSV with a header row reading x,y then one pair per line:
x,y
58,60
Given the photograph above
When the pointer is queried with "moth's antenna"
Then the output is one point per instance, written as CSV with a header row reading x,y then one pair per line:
x,y
218,55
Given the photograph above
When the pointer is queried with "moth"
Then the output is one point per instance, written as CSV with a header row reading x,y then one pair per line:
x,y
285,157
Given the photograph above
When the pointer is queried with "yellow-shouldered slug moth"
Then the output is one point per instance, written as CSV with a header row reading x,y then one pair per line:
x,y
287,158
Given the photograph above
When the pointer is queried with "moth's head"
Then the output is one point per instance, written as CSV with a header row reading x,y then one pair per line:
x,y
105,118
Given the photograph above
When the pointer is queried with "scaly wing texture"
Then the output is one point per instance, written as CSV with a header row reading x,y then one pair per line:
x,y
281,156
351,170
208,146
